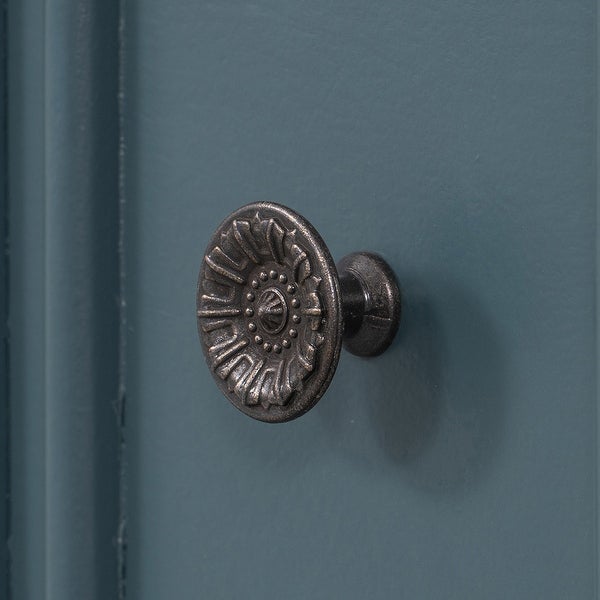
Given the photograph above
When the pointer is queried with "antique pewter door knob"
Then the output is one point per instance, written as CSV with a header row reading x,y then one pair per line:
x,y
273,310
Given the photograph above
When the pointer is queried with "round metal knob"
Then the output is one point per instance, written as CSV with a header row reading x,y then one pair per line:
x,y
273,311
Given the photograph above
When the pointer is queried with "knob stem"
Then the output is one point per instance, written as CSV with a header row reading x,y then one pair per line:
x,y
371,303
353,302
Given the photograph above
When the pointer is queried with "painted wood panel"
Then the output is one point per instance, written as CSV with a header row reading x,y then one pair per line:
x,y
64,298
458,139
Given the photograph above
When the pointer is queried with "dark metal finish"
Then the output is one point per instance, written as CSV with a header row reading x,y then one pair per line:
x,y
272,310
370,301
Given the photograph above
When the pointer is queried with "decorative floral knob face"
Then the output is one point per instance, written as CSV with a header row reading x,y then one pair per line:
x,y
272,310
269,312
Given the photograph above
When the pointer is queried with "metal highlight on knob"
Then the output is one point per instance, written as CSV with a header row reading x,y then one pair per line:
x,y
273,310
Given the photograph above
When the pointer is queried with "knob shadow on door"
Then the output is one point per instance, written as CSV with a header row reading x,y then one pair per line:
x,y
273,310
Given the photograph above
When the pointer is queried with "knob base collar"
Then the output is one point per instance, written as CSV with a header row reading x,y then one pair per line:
x,y
371,303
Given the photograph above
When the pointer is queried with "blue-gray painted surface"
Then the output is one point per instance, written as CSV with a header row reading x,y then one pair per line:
x,y
4,334
458,139
64,298
26,126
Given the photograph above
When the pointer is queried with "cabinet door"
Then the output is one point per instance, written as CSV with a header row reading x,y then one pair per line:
x,y
457,139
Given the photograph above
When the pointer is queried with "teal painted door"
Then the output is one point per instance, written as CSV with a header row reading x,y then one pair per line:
x,y
458,139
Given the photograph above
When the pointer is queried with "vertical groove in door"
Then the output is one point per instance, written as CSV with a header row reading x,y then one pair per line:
x,y
596,93
4,333
122,397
